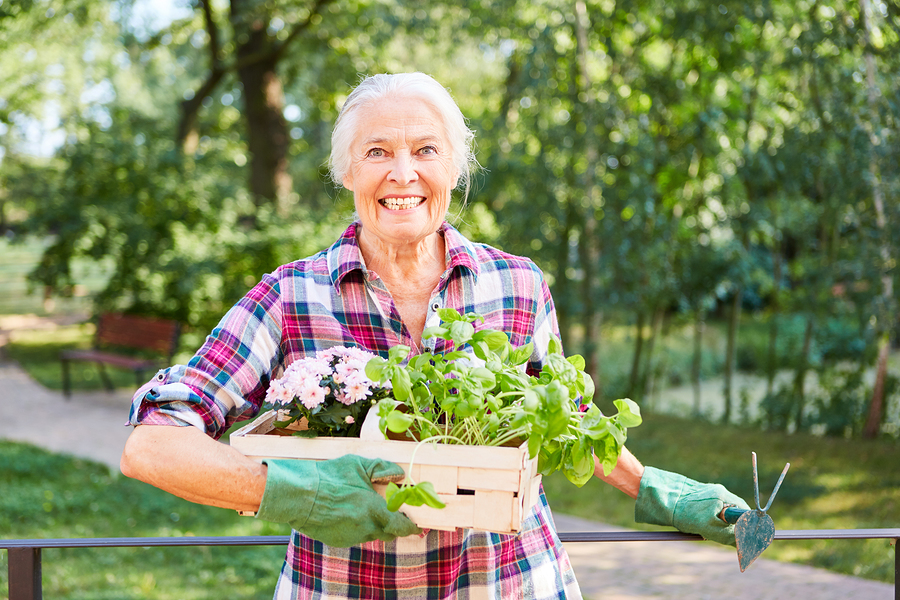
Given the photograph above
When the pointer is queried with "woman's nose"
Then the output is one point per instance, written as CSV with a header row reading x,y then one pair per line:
x,y
403,170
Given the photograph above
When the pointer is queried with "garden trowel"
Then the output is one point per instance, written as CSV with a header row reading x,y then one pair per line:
x,y
754,530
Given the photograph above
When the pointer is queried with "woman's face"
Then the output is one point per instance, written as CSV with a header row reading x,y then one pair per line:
x,y
401,170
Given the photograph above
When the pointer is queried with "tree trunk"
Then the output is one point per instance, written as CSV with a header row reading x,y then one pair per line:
x,y
633,380
876,406
772,358
731,350
562,292
648,380
886,319
800,376
588,242
267,132
699,325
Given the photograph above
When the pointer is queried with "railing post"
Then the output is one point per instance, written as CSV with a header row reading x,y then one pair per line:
x,y
25,574
896,569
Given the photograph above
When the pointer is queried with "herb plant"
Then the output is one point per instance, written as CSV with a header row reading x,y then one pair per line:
x,y
489,400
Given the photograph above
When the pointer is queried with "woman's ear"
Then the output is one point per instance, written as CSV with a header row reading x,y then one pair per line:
x,y
347,181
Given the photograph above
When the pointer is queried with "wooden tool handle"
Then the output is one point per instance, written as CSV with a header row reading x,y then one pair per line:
x,y
730,514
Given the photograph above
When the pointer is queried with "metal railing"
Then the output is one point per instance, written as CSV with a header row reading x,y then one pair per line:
x,y
25,555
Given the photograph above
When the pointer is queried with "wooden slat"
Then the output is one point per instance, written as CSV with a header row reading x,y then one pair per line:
x,y
493,511
444,479
130,331
507,480
126,362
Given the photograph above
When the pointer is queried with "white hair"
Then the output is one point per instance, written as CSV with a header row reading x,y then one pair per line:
x,y
376,87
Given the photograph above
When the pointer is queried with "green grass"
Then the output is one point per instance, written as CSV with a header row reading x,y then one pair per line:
x,y
832,484
52,496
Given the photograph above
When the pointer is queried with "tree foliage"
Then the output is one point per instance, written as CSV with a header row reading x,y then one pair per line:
x,y
664,160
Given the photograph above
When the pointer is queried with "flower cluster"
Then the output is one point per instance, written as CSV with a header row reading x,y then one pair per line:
x,y
330,390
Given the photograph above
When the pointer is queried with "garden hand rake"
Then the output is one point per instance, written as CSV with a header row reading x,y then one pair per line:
x,y
754,530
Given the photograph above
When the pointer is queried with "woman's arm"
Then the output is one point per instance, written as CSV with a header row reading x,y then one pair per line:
x,y
186,462
626,476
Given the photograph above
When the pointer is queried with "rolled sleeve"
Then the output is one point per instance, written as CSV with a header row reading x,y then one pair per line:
x,y
226,380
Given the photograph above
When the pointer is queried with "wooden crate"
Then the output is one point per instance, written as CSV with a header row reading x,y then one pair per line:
x,y
487,488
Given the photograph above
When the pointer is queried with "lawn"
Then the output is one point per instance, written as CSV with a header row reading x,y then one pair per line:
x,y
51,496
832,484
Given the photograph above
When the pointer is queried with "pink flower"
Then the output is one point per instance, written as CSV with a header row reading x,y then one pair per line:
x,y
278,393
311,394
356,388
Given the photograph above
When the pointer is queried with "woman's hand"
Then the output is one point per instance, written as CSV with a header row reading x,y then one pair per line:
x,y
333,501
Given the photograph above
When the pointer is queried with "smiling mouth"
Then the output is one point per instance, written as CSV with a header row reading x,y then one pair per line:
x,y
401,203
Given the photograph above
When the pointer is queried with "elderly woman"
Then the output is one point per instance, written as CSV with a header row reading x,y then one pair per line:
x,y
401,146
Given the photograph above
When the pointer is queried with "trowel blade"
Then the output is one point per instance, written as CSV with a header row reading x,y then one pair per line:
x,y
753,533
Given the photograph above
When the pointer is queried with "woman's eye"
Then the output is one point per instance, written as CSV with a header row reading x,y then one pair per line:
x,y
428,150
375,152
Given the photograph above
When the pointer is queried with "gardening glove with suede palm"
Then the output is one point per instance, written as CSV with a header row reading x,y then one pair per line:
x,y
332,501
690,506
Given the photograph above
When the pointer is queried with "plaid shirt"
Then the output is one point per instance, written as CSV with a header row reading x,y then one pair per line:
x,y
331,299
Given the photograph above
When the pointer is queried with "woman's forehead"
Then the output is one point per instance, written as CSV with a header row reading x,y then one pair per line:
x,y
401,120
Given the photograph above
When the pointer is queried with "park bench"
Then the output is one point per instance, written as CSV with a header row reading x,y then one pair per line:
x,y
118,337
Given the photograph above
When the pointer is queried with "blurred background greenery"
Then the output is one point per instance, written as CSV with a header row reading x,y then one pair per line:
x,y
711,189
671,166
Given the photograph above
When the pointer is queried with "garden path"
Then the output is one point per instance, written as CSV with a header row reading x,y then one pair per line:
x,y
92,425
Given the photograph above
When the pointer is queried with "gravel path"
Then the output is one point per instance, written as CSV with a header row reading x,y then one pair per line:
x,y
92,425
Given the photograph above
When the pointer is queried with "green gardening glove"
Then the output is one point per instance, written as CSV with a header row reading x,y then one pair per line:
x,y
332,500
690,506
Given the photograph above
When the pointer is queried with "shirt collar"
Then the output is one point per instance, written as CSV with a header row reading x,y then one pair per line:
x,y
344,256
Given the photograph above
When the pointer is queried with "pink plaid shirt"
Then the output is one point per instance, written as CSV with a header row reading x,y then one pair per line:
x,y
331,299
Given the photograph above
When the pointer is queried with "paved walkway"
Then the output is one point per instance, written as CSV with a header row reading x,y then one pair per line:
x,y
91,425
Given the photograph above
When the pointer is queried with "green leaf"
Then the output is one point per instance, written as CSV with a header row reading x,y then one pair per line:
x,y
577,361
534,444
427,495
401,384
495,340
394,502
485,377
449,315
435,331
461,332
629,412
550,457
413,495
520,355
554,347
607,451
398,422
306,433
397,354
586,387
375,369
480,349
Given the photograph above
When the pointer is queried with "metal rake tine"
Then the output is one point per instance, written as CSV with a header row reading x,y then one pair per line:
x,y
777,485
755,480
